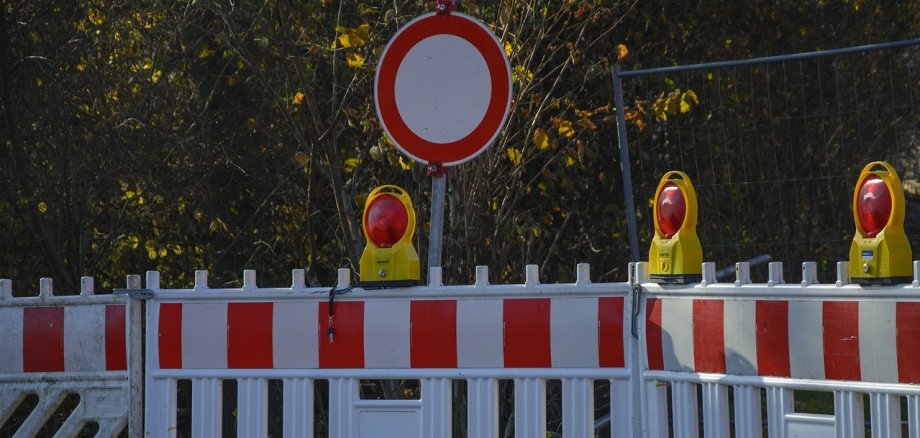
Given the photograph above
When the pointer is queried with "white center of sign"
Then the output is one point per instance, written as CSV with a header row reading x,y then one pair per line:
x,y
443,88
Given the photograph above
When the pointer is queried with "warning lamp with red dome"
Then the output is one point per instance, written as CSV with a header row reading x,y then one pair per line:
x,y
389,259
676,256
880,252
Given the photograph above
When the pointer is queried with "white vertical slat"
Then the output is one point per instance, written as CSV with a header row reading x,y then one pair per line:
x,y
913,416
342,394
621,409
482,405
530,407
298,408
252,407
207,407
748,416
779,403
656,408
715,410
848,412
577,407
685,409
436,407
886,415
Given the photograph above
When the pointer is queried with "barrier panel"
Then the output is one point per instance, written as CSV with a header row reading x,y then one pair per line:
x,y
478,333
62,359
717,353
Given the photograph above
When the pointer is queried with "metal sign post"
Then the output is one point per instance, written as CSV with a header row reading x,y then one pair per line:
x,y
436,231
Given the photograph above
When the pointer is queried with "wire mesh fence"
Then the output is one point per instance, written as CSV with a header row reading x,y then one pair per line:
x,y
774,147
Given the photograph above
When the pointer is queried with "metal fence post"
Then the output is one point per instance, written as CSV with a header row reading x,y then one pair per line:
x,y
134,336
624,166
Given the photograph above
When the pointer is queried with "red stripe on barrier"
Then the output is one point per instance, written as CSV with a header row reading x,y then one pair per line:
x,y
708,336
115,345
907,323
841,340
169,341
610,332
653,347
772,334
347,347
249,335
42,339
527,336
433,334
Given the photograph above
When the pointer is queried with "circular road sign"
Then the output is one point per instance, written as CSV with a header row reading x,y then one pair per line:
x,y
443,88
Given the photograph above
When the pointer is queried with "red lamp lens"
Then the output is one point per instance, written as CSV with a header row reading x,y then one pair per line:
x,y
873,207
386,220
672,209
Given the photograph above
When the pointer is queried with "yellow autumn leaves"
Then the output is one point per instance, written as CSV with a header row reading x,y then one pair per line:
x,y
352,38
673,103
542,139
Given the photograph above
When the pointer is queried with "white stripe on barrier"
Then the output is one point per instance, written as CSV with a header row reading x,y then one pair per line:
x,y
740,322
878,353
573,332
479,334
294,335
204,335
806,342
11,340
386,334
677,334
84,348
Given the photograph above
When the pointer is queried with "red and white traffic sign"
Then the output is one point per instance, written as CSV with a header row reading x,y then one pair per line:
x,y
443,88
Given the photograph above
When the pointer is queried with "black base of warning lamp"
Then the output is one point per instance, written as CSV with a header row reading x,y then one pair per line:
x,y
388,284
675,279
882,281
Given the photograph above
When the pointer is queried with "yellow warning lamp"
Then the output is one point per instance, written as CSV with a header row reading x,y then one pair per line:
x,y
389,259
880,252
676,256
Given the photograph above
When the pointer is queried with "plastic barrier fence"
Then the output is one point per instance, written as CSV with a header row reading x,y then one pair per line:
x,y
63,354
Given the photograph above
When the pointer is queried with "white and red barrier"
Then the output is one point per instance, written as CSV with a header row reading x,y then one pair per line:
x,y
849,340
559,332
479,333
55,346
704,360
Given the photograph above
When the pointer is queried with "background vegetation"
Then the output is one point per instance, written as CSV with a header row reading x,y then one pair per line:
x,y
176,136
